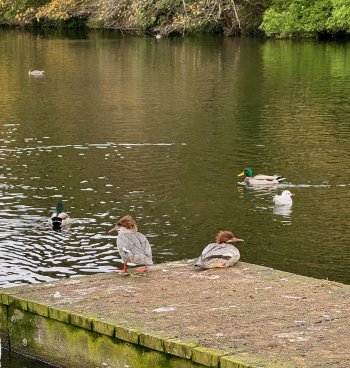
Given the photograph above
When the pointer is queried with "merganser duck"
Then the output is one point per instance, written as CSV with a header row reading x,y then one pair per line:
x,y
220,254
132,245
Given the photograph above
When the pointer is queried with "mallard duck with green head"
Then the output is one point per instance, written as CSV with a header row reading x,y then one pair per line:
x,y
259,179
59,218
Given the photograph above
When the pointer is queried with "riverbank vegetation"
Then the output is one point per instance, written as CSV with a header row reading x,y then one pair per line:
x,y
274,18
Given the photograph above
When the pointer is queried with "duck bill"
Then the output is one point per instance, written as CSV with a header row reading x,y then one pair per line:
x,y
113,230
235,240
241,174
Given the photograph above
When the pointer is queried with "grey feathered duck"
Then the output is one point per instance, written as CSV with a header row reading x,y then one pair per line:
x,y
132,245
220,254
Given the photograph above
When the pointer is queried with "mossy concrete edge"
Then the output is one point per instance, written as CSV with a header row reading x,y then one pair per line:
x,y
170,345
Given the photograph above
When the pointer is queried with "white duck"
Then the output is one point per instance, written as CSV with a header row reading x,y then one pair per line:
x,y
284,199
132,245
36,73
59,218
220,254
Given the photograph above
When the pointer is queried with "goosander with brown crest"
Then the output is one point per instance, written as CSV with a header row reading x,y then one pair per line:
x,y
220,254
132,245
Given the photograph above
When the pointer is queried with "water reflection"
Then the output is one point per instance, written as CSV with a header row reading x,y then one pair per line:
x,y
18,361
108,134
283,210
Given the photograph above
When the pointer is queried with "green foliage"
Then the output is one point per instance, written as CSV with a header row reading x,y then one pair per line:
x,y
306,18
277,18
339,21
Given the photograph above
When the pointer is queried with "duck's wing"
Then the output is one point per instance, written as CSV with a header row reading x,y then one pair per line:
x,y
271,178
280,200
218,255
63,215
134,247
214,250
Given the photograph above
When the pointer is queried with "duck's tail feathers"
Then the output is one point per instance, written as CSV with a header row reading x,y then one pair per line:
x,y
280,178
56,222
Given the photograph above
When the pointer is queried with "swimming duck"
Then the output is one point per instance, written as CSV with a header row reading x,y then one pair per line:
x,y
284,199
220,254
259,179
36,73
132,245
59,218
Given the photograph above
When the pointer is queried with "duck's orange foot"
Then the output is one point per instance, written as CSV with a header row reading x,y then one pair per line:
x,y
141,269
121,271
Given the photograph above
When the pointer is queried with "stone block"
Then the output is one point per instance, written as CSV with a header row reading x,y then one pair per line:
x,y
103,328
233,361
152,341
4,298
40,309
125,334
59,315
81,321
206,356
179,348
17,303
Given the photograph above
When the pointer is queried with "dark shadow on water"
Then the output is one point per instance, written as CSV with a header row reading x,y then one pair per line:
x,y
20,361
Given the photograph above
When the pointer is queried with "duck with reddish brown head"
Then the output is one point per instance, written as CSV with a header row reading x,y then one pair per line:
x,y
221,253
132,245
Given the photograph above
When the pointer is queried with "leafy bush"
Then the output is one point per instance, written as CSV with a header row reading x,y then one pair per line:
x,y
306,18
339,21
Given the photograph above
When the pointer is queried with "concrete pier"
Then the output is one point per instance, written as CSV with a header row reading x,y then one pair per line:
x,y
247,316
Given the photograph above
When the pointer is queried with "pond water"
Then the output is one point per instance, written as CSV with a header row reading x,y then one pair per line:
x,y
18,361
159,130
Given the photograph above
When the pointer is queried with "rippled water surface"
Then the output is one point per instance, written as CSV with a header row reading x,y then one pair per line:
x,y
160,130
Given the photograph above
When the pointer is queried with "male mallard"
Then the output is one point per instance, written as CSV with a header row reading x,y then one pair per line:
x,y
36,73
284,199
59,218
259,179
220,254
132,245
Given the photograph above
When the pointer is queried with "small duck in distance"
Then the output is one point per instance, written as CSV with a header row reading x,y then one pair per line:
x,y
59,218
259,179
132,245
220,254
284,199
36,73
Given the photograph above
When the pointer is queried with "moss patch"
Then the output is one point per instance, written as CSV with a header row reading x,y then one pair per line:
x,y
206,356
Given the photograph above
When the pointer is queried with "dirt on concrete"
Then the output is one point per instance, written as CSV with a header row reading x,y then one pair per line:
x,y
249,310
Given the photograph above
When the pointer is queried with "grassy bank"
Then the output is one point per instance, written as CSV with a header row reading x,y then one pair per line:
x,y
274,18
